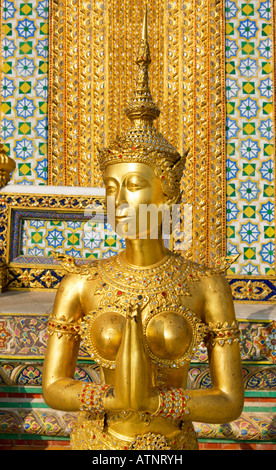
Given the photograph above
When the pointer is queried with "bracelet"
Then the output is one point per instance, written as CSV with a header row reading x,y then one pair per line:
x,y
172,404
91,397
222,334
63,327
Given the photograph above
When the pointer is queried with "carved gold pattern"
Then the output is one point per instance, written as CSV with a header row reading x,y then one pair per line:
x,y
173,404
150,441
63,328
91,397
223,334
77,108
161,283
89,433
257,290
92,55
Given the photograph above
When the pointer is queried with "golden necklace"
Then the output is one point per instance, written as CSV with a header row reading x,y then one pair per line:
x,y
158,285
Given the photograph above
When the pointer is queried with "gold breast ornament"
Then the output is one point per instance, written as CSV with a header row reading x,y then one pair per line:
x,y
171,335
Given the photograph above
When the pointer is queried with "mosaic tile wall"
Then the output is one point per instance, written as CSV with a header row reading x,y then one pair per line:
x,y
24,87
250,136
76,239
250,123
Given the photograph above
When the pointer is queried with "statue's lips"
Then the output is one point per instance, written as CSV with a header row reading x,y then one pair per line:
x,y
122,217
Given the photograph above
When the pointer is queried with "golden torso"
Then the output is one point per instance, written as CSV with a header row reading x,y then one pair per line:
x,y
171,296
143,349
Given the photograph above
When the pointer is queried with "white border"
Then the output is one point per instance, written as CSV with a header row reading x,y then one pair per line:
x,y
52,190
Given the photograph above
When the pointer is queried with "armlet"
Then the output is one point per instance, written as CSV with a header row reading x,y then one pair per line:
x,y
62,327
222,334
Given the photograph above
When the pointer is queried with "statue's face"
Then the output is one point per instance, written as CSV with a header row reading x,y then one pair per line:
x,y
130,189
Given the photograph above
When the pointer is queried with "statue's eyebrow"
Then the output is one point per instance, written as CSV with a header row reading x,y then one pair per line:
x,y
110,178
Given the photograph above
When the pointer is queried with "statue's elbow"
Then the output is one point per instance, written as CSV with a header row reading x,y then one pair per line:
x,y
48,394
237,409
234,408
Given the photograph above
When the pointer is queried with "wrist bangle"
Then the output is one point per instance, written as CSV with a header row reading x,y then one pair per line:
x,y
91,397
172,404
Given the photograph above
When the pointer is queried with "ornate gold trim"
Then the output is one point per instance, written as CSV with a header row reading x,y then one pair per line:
x,y
29,275
63,328
222,334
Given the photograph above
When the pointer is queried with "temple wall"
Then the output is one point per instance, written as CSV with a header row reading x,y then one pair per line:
x,y
44,120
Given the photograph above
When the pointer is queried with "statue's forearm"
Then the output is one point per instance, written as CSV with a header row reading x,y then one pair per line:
x,y
213,406
220,403
60,389
63,394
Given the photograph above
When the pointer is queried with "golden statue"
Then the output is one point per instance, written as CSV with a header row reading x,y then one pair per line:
x,y
143,313
7,165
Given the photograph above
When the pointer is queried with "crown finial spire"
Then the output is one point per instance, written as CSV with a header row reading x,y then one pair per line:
x,y
142,105
145,26
142,142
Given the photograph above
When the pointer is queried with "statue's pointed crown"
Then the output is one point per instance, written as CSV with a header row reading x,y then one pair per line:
x,y
142,105
142,142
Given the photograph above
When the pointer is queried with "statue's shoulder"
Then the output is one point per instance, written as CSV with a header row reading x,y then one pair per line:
x,y
197,271
87,270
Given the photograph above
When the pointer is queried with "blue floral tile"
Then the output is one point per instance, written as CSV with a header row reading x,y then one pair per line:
x,y
249,233
25,108
267,211
8,10
249,149
248,108
248,67
249,190
247,29
268,253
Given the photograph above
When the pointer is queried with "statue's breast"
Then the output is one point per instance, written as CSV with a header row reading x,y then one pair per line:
x,y
170,336
106,331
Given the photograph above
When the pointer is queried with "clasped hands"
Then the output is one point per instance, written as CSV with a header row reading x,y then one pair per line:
x,y
133,389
